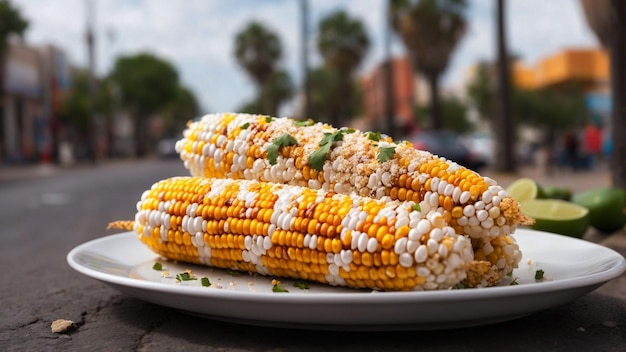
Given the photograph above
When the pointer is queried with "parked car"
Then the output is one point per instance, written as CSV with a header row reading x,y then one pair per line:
x,y
482,144
449,145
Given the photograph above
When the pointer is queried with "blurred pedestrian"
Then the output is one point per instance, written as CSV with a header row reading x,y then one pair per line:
x,y
570,149
592,144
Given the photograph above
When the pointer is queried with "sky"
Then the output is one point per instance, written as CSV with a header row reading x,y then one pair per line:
x,y
197,36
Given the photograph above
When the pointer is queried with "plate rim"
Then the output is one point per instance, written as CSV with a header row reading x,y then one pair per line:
x,y
358,297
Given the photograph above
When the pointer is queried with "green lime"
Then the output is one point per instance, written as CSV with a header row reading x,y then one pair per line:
x,y
557,216
524,188
556,192
606,207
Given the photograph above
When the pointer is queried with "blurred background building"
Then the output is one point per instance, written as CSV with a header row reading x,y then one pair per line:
x,y
35,82
107,89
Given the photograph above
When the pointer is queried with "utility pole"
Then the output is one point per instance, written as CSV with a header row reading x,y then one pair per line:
x,y
618,90
390,108
504,125
90,41
304,31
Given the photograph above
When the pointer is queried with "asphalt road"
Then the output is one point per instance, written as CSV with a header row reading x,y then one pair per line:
x,y
44,217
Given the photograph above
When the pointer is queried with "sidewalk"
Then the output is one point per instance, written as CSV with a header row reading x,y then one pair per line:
x,y
576,181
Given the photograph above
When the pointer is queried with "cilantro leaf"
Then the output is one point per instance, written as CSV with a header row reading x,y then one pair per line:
x,y
318,157
417,207
205,281
374,136
539,275
303,123
185,276
385,153
233,273
282,141
303,285
268,119
278,287
245,126
157,266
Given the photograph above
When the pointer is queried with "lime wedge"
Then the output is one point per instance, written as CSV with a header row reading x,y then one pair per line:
x,y
557,216
606,207
524,189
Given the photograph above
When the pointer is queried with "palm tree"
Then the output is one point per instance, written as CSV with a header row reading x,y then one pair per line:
x,y
11,22
343,42
258,51
430,30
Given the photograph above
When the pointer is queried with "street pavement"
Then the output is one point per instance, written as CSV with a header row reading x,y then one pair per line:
x,y
45,211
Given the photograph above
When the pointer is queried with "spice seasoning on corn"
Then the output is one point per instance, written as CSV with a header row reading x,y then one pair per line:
x,y
347,161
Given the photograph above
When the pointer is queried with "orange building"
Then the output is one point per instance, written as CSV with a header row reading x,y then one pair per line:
x,y
404,92
587,69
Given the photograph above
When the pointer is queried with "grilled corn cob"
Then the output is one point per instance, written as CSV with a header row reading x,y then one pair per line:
x,y
303,233
316,155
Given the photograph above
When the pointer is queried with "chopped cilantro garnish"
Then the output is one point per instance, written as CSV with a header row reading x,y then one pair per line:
x,y
157,266
278,287
282,141
318,157
233,273
303,285
385,153
245,126
539,275
205,281
459,286
185,277
303,123
514,282
268,119
374,136
417,207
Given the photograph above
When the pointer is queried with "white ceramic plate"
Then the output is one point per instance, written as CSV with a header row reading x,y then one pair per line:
x,y
574,268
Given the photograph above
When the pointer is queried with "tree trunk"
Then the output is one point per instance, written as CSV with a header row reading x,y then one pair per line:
x,y
618,88
505,136
266,99
306,86
344,107
391,126
140,134
2,90
435,104
3,60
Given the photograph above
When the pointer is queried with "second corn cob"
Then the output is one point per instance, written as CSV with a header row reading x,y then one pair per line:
x,y
297,232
